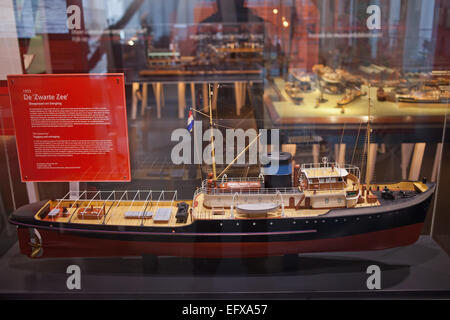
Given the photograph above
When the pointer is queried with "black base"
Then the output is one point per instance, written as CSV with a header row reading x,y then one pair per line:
x,y
418,270
290,262
149,264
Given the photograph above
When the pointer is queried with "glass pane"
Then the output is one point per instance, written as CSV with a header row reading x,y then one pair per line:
x,y
329,139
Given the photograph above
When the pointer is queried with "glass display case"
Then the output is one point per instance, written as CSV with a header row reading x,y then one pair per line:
x,y
209,148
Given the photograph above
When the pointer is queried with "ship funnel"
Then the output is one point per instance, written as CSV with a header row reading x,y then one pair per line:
x,y
277,176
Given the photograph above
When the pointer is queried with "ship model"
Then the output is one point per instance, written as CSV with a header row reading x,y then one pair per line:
x,y
285,210
423,96
350,96
294,92
234,57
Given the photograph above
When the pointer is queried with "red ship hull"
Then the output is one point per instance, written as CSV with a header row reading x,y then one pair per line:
x,y
56,244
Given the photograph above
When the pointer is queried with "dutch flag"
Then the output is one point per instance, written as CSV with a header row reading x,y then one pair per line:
x,y
190,121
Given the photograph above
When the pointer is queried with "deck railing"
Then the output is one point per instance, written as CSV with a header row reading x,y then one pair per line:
x,y
113,199
214,191
349,167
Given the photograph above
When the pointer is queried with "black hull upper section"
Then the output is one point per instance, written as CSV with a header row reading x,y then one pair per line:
x,y
335,224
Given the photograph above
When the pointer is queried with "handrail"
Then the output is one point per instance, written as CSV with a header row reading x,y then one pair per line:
x,y
159,200
232,205
349,167
117,205
313,165
282,204
85,208
210,191
196,193
261,177
67,195
134,198
224,177
109,191
73,204
104,205
218,191
146,202
110,201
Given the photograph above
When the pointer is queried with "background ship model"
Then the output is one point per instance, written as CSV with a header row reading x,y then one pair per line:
x,y
297,84
423,94
234,54
350,96
285,210
294,92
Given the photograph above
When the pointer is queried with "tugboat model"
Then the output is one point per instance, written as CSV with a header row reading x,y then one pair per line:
x,y
285,210
322,207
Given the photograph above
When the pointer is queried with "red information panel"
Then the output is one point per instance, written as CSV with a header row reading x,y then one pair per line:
x,y
71,127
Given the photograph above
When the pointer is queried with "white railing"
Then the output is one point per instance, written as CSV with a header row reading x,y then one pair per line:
x,y
354,170
322,187
282,204
214,191
207,188
111,199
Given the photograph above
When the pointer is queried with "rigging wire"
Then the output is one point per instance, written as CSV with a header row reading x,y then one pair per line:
x,y
214,123
356,142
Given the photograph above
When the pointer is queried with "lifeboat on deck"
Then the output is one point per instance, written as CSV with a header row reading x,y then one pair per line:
x,y
239,186
257,208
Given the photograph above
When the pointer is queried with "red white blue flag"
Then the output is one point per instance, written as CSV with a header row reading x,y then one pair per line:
x,y
190,121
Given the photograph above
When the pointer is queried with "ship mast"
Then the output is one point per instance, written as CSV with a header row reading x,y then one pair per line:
x,y
368,140
213,152
240,154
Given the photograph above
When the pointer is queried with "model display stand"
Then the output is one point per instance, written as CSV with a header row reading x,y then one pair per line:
x,y
421,270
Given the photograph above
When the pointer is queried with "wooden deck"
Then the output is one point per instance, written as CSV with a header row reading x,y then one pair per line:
x,y
322,172
202,213
115,213
115,210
